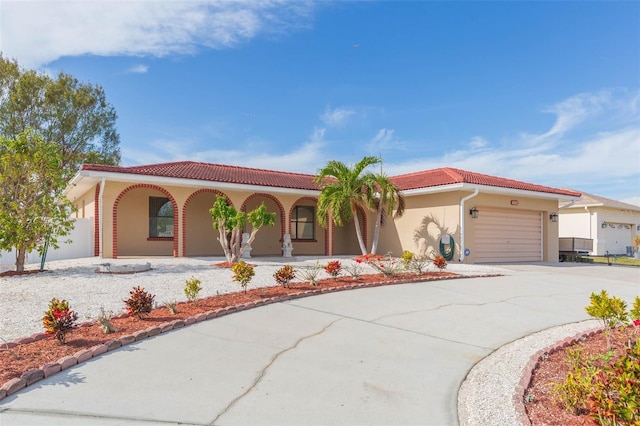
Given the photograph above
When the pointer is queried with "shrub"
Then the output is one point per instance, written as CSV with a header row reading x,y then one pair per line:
x,y
284,275
191,289
605,385
407,258
171,307
333,268
612,311
242,273
615,391
140,302
440,262
104,319
388,266
354,269
419,264
310,273
59,319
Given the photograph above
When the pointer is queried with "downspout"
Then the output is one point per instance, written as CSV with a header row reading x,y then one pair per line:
x,y
100,215
462,216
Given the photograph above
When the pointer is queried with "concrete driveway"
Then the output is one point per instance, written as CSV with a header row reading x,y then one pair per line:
x,y
384,355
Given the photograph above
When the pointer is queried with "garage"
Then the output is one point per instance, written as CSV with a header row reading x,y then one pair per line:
x,y
617,236
503,236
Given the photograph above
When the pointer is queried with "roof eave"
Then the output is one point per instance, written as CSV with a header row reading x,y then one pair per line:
x,y
487,189
94,176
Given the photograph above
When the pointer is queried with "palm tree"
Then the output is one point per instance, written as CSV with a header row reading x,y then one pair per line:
x,y
386,199
343,189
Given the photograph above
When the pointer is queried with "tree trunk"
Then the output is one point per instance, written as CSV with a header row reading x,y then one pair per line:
x,y
20,259
356,221
376,231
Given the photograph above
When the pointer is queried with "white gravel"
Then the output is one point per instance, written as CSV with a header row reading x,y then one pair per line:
x,y
23,299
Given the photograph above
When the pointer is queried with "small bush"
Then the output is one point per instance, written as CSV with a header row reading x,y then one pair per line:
x,y
406,257
140,302
59,319
104,319
171,307
440,262
192,289
354,269
611,311
284,275
242,273
388,266
310,273
333,268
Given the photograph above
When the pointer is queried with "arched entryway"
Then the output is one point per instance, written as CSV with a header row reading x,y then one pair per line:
x,y
199,236
268,241
145,222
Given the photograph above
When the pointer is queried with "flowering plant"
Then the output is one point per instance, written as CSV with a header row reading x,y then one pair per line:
x,y
354,269
388,266
440,262
242,273
58,319
333,268
407,258
284,275
140,302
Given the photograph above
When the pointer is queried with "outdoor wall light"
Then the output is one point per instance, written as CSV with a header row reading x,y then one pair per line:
x,y
553,217
604,225
474,213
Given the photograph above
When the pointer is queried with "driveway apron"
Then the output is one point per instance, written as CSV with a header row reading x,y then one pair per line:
x,y
382,355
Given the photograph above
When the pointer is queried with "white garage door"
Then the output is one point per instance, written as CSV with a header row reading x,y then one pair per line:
x,y
617,237
508,236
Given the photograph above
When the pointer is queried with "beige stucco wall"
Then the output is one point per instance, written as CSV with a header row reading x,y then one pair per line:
x,y
85,205
433,215
426,219
196,236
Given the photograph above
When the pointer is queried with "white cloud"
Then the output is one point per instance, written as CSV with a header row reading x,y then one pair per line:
x,y
302,160
336,117
606,157
39,32
139,69
384,140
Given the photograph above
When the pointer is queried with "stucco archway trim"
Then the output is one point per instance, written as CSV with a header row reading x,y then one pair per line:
x,y
145,186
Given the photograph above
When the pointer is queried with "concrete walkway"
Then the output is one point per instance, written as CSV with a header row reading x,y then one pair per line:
x,y
384,355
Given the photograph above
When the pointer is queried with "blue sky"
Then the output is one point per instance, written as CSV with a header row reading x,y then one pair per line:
x,y
545,91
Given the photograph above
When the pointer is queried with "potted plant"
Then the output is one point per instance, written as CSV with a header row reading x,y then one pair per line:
x,y
636,246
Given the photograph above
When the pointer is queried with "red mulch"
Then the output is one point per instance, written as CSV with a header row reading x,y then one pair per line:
x,y
17,274
33,355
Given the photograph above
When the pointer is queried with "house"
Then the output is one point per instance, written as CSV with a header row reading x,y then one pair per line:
x,y
163,210
610,224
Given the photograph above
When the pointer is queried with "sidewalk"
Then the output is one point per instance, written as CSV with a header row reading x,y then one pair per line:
x,y
384,355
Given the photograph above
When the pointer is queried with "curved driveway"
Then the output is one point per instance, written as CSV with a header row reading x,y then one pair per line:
x,y
383,355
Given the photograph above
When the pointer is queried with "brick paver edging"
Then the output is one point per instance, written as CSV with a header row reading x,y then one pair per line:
x,y
32,376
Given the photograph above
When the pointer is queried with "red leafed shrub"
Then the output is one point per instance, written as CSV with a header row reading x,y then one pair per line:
x,y
440,263
333,268
140,302
59,319
284,275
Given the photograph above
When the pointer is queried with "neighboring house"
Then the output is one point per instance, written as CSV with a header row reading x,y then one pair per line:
x,y
163,210
610,224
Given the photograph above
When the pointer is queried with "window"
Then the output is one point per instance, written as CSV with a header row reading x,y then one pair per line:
x,y
160,218
303,223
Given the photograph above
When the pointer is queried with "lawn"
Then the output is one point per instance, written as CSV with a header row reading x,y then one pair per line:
x,y
616,260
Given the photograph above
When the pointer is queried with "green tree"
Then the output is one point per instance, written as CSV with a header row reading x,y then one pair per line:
x,y
343,189
33,208
229,222
387,198
73,115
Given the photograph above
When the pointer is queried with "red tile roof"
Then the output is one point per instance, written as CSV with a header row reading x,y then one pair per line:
x,y
270,178
450,176
215,173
